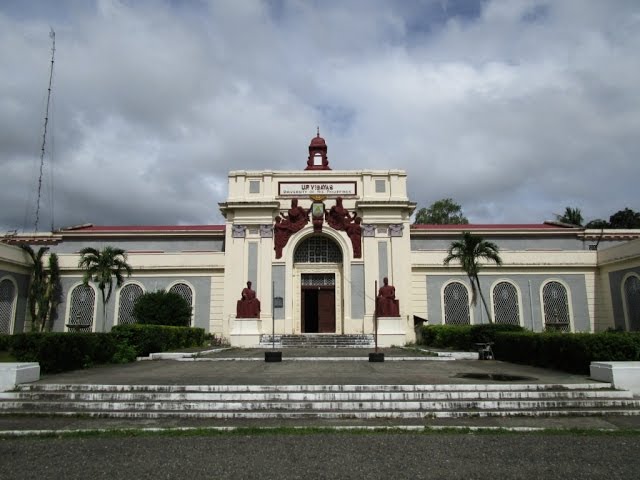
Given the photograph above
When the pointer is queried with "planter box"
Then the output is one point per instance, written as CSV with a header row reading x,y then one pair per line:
x,y
272,356
12,374
622,375
376,357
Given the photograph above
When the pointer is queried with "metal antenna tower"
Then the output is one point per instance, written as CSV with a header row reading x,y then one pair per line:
x,y
52,35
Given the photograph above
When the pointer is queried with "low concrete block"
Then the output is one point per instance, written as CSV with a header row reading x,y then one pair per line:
x,y
624,375
12,374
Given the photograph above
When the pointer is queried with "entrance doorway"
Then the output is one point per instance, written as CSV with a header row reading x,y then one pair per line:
x,y
318,303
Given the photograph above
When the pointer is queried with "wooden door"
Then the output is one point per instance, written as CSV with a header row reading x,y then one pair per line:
x,y
327,310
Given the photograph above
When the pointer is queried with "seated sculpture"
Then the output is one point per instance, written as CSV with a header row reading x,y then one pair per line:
x,y
386,303
248,306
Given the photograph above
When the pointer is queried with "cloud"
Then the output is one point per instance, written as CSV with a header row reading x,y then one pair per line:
x,y
515,109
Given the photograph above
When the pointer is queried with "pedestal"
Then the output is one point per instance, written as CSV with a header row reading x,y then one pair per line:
x,y
391,331
245,332
12,374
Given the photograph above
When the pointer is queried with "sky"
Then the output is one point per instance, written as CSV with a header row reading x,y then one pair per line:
x,y
516,109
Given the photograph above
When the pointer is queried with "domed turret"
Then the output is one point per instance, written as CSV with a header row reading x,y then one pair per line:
x,y
317,154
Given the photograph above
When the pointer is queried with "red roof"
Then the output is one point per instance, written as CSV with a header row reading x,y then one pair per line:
x,y
145,228
489,226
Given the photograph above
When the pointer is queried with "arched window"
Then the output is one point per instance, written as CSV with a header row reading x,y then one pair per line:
x,y
632,297
456,304
129,295
318,249
506,308
185,292
556,307
8,297
82,307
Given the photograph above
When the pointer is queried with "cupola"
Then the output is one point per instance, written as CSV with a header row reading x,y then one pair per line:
x,y
317,154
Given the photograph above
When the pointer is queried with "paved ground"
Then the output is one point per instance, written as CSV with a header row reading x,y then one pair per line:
x,y
310,366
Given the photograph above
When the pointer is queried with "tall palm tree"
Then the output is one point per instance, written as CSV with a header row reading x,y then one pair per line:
x,y
469,251
44,288
572,216
102,267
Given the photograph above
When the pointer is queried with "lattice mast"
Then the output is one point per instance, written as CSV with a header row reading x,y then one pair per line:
x,y
52,35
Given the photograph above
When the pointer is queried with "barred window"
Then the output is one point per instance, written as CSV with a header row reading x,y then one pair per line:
x,y
129,295
318,279
456,304
505,304
556,307
632,295
318,249
82,307
185,292
8,299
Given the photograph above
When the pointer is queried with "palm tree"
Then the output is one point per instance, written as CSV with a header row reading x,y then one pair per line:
x,y
102,267
44,288
572,216
469,251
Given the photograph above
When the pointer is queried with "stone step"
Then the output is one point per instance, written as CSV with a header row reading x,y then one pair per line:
x,y
151,396
319,340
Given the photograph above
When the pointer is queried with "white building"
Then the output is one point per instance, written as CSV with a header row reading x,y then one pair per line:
x,y
553,277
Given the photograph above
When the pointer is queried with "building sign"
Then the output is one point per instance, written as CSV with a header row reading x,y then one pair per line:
x,y
299,189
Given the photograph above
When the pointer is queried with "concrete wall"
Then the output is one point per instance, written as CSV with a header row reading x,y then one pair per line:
x,y
529,288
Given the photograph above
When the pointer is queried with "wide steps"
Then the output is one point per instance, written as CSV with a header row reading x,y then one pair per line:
x,y
317,401
320,340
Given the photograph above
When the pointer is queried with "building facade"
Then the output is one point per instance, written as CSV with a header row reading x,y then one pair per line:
x,y
316,245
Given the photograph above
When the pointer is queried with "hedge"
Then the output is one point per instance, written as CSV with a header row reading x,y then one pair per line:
x,y
570,352
157,338
59,352
462,337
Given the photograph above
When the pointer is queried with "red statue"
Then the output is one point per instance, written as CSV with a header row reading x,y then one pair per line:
x,y
297,216
248,306
354,231
338,217
387,305
282,232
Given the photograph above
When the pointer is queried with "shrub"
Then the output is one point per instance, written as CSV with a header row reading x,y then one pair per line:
x,y
58,352
162,308
146,339
463,337
5,342
571,352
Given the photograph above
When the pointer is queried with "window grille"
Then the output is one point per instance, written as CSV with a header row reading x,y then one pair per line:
x,y
82,307
456,304
632,294
7,303
556,307
318,249
184,291
318,279
128,297
505,304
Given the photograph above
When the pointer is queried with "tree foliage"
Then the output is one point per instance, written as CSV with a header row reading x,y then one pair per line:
x,y
441,212
162,308
572,216
626,218
44,288
102,267
470,251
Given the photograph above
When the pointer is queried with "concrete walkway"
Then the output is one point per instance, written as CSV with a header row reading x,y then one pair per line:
x,y
311,367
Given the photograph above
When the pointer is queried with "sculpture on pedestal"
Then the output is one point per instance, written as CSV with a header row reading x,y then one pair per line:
x,y
248,306
386,303
354,231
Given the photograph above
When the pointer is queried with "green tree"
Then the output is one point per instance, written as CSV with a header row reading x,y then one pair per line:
x,y
162,308
441,212
469,251
44,288
102,267
597,223
626,218
572,216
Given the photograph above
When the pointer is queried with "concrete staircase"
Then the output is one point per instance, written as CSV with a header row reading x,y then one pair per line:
x,y
326,340
304,402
